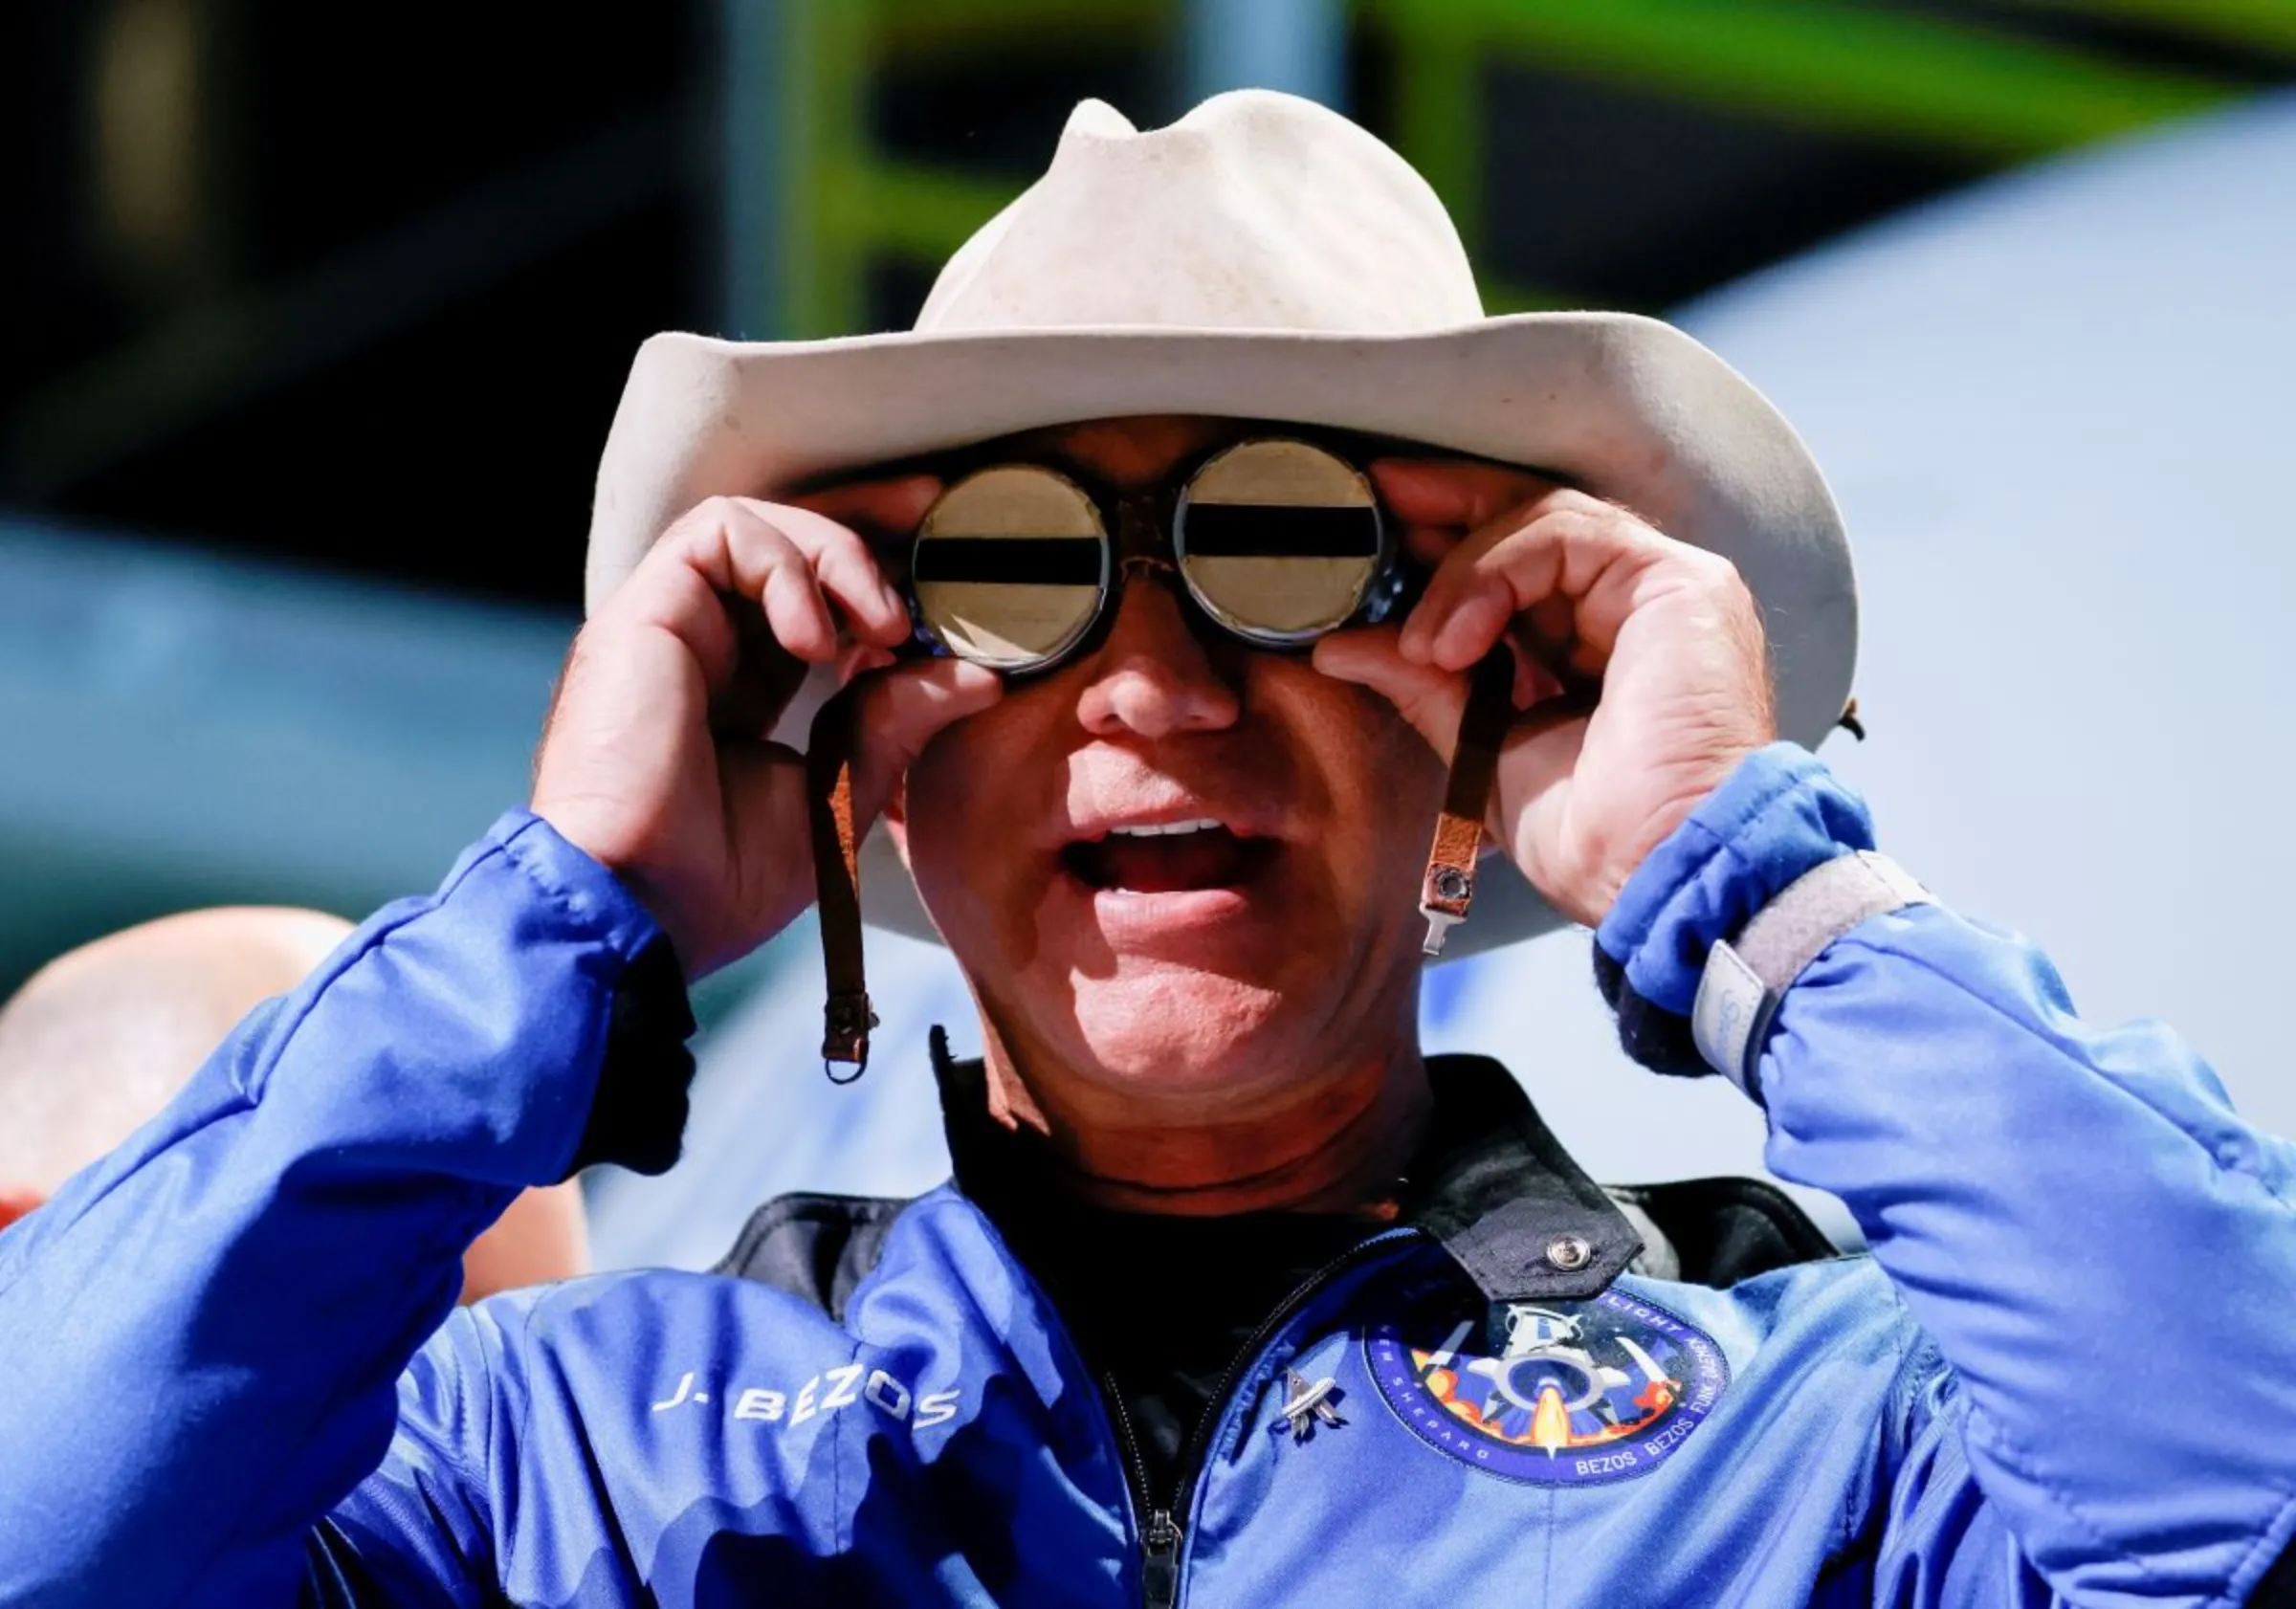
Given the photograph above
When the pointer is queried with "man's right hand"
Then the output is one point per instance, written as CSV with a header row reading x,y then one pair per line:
x,y
656,761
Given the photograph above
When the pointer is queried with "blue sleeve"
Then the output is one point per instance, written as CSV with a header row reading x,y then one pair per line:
x,y
419,1532
2103,1253
202,1335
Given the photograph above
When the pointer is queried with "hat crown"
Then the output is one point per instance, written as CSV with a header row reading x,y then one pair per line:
x,y
1257,210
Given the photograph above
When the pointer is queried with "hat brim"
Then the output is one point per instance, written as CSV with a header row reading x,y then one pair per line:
x,y
1629,407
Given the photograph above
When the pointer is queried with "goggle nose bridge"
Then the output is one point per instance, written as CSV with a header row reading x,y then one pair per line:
x,y
1143,537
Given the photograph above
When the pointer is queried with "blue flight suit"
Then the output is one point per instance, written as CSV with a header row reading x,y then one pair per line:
x,y
2066,1371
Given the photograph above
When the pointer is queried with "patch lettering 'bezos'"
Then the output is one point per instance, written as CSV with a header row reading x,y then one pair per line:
x,y
1579,1393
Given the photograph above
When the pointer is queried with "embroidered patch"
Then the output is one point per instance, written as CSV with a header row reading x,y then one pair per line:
x,y
1580,1392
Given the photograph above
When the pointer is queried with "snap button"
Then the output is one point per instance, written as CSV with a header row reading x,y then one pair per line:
x,y
1569,1252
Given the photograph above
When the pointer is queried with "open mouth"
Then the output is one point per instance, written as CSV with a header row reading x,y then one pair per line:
x,y
1177,857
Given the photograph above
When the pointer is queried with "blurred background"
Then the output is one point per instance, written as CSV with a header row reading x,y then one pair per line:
x,y
315,317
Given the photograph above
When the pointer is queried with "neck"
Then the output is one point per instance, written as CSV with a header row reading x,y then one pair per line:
x,y
1336,1142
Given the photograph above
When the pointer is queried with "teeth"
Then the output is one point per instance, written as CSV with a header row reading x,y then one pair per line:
x,y
1201,825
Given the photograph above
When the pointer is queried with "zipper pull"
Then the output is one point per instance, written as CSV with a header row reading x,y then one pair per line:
x,y
1160,1561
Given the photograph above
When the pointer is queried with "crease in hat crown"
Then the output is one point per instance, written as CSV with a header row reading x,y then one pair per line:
x,y
1258,211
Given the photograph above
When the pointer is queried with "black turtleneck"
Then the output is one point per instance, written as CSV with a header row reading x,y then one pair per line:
x,y
1161,1307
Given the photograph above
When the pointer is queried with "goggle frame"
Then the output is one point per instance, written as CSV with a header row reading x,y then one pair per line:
x,y
1142,532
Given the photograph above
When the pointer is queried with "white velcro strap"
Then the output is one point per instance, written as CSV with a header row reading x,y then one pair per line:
x,y
1743,981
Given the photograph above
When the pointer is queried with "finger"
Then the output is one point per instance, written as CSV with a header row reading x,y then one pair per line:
x,y
767,814
1431,699
1588,554
1536,764
1430,545
858,657
765,677
845,570
893,507
731,550
903,708
1553,621
1540,748
1462,585
1471,599
796,610
1460,493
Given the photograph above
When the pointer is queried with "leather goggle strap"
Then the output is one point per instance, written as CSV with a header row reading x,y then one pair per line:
x,y
1448,888
837,883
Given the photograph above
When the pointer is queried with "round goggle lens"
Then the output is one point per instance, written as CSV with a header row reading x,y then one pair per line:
x,y
1278,541
1010,566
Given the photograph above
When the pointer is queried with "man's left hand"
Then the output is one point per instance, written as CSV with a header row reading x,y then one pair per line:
x,y
1579,583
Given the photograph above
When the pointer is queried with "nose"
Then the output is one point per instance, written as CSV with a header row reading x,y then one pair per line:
x,y
1153,677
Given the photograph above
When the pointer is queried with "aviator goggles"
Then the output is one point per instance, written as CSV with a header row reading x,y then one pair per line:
x,y
1276,540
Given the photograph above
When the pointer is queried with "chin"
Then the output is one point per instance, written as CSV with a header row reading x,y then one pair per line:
x,y
1161,1027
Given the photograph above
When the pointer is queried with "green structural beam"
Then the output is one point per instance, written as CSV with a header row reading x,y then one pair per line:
x,y
919,213
1440,119
1853,69
825,68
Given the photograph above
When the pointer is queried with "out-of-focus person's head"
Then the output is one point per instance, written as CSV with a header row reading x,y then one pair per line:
x,y
101,1039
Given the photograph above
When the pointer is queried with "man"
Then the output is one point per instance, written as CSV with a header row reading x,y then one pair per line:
x,y
99,1040
1236,1297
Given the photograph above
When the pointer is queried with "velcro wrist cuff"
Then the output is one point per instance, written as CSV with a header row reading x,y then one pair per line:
x,y
1743,981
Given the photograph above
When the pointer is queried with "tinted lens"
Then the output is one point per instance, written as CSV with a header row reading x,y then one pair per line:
x,y
1278,541
1010,566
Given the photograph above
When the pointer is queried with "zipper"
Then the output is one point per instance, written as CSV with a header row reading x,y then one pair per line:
x,y
1160,1534
1160,1561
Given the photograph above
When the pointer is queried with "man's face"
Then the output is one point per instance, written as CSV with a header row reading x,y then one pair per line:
x,y
1242,956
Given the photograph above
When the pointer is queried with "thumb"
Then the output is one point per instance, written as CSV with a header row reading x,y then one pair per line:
x,y
1462,494
1430,698
900,711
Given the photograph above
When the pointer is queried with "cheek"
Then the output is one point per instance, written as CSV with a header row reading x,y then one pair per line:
x,y
1384,783
964,848
1414,773
940,799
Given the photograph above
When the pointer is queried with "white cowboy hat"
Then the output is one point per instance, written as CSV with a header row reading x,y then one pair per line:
x,y
1262,258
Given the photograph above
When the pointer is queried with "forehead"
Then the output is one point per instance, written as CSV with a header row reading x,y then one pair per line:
x,y
1131,452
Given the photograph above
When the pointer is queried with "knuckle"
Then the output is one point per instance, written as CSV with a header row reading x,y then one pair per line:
x,y
712,513
808,532
1573,520
724,524
1582,518
1717,571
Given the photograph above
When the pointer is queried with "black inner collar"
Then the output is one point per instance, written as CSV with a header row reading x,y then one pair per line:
x,y
1491,1183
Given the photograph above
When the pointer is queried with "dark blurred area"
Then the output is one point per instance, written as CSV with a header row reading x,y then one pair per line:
x,y
359,284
